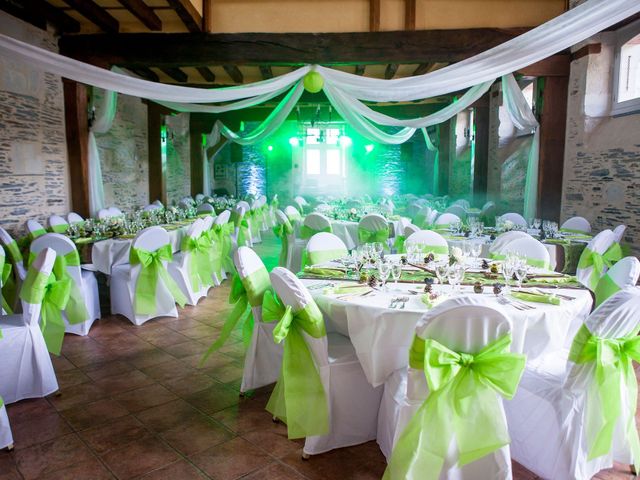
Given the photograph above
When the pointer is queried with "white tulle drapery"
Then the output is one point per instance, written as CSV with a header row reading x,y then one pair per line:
x,y
105,112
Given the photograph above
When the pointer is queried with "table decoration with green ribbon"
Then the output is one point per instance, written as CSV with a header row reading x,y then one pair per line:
x,y
282,231
598,262
373,236
299,398
152,269
245,293
307,232
199,262
53,295
463,403
614,374
5,274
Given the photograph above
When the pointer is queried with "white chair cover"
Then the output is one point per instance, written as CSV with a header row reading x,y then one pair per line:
x,y
295,246
300,203
116,212
447,219
429,238
292,214
26,370
458,210
180,267
73,218
622,275
18,272
413,209
6,438
325,243
206,208
222,219
85,280
598,244
124,279
34,226
148,208
618,232
463,203
423,217
579,224
353,403
536,253
157,203
240,210
199,197
373,222
505,238
547,416
463,324
57,221
264,357
316,221
410,229
514,218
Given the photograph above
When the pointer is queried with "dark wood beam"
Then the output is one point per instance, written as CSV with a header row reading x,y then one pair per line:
x,y
590,49
555,65
390,71
145,73
266,72
143,13
207,74
176,74
374,15
95,13
552,110
446,154
157,161
360,70
423,68
188,14
197,159
77,130
481,160
360,48
409,14
207,16
234,72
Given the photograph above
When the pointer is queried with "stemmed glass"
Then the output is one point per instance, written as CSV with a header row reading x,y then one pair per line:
x,y
384,269
455,275
378,248
508,266
475,250
521,271
396,272
441,272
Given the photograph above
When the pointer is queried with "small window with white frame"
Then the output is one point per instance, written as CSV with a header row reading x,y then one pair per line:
x,y
626,78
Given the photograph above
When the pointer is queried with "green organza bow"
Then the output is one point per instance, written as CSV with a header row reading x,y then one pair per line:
x,y
463,403
368,236
598,261
215,251
59,228
298,399
282,231
10,285
152,269
242,224
53,294
614,373
5,274
36,233
200,266
308,232
606,288
224,232
245,293
398,244
322,256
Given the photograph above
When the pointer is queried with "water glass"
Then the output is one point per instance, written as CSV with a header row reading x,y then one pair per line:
x,y
384,269
455,275
521,272
396,272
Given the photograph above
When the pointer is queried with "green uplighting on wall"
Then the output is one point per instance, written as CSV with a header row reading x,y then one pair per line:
x,y
270,148
294,141
369,148
345,141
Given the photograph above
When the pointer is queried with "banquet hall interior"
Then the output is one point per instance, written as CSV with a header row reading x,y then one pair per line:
x,y
329,239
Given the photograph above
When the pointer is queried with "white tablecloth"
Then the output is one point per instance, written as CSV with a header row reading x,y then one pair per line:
x,y
115,251
382,336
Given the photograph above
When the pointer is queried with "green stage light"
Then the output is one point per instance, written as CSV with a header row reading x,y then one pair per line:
x,y
345,141
270,148
294,142
369,148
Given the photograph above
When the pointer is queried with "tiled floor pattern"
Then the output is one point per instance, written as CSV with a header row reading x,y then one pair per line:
x,y
135,403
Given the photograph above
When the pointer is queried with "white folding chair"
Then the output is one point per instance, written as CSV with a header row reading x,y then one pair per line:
x,y
124,280
431,242
350,422
548,416
463,325
74,218
26,370
535,252
57,224
184,267
373,228
85,281
324,247
577,225
264,357
623,274
514,218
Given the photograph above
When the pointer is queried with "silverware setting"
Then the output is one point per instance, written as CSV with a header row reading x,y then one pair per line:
x,y
515,304
398,303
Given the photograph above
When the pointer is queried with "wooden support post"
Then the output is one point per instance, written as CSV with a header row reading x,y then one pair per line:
x,y
197,158
77,129
553,116
157,158
481,160
446,154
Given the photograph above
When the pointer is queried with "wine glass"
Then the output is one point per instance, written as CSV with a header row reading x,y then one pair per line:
x,y
475,250
508,266
396,272
441,272
521,272
377,248
455,275
384,269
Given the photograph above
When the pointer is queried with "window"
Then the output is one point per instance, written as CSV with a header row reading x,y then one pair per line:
x,y
313,162
626,89
324,159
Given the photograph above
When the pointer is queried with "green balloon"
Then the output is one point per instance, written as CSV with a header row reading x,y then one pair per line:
x,y
313,82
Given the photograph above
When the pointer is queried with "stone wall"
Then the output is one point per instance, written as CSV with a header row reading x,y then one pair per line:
x,y
34,179
178,158
601,179
124,155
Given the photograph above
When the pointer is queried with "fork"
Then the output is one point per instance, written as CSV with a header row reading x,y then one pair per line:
x,y
394,302
404,301
504,301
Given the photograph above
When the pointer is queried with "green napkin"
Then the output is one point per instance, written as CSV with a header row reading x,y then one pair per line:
x,y
553,280
536,297
323,272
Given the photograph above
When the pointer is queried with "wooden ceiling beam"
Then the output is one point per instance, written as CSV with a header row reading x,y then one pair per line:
x,y
374,15
143,13
207,74
423,68
553,66
360,48
390,71
207,16
188,14
409,14
266,72
145,73
96,14
176,73
234,72
63,22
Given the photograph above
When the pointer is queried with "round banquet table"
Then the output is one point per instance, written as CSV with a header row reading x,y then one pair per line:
x,y
382,336
347,231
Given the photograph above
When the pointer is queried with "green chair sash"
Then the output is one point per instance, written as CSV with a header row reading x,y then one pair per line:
x,y
36,233
13,252
368,236
308,232
398,244
322,256
463,403
199,262
421,221
224,232
606,288
5,274
10,285
214,239
298,399
245,293
152,269
282,231
573,230
62,228
598,262
614,374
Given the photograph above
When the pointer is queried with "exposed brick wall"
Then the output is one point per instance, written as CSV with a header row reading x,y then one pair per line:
x,y
178,158
34,180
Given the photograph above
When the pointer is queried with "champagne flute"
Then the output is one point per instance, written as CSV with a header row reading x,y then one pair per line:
x,y
396,272
383,270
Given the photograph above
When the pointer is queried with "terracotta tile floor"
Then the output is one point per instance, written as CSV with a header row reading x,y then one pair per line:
x,y
135,403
